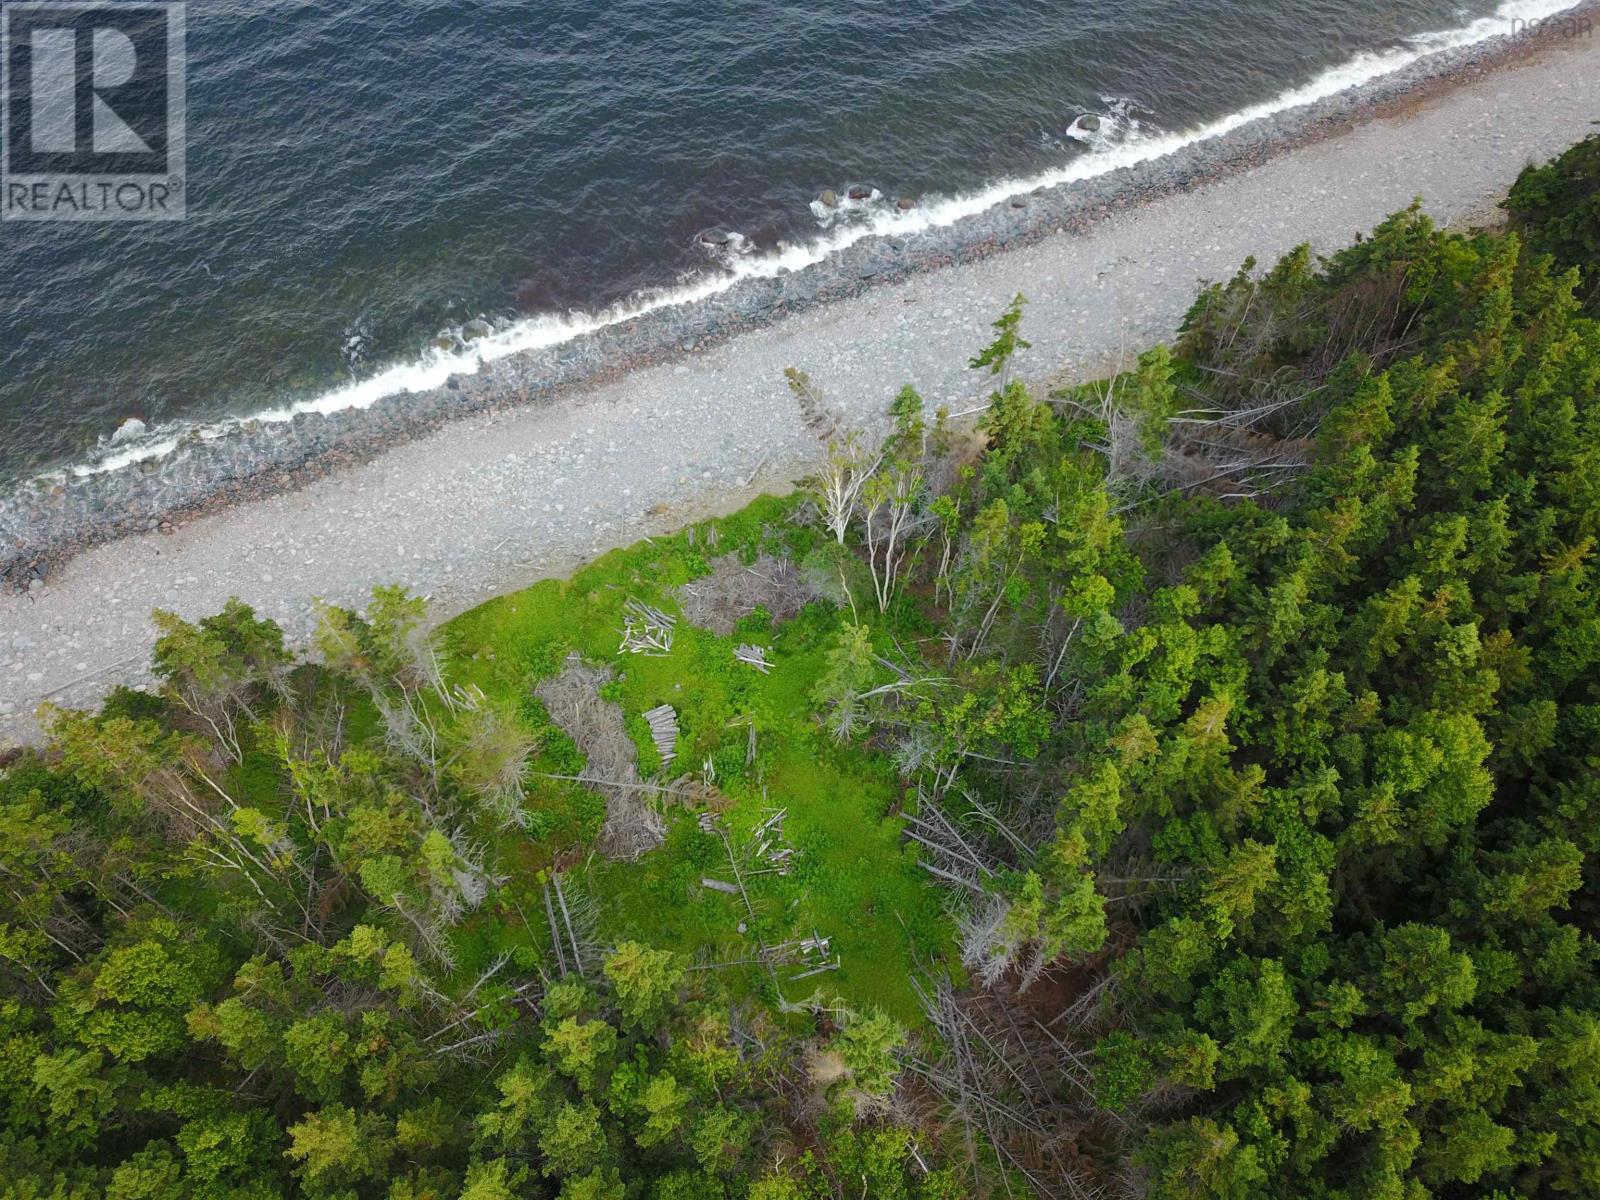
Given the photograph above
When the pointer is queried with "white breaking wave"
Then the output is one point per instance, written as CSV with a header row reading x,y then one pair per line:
x,y
432,369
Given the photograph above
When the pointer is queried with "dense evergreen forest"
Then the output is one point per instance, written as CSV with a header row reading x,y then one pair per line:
x,y
1186,786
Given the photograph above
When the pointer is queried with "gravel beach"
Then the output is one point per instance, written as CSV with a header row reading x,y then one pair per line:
x,y
516,492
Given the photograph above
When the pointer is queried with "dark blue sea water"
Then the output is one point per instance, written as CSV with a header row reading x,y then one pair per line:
x,y
368,176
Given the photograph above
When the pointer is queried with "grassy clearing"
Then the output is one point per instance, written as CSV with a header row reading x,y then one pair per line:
x,y
853,881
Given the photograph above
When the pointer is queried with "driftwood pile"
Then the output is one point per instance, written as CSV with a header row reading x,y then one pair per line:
x,y
646,630
769,849
734,590
814,953
598,727
767,852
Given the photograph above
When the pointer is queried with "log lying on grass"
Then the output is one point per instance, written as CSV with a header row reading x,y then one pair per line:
x,y
753,656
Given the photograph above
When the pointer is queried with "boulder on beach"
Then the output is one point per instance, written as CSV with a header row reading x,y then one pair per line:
x,y
860,192
829,198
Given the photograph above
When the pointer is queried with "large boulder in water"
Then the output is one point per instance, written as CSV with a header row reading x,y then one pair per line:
x,y
132,428
905,204
1088,123
829,198
718,237
860,192
475,329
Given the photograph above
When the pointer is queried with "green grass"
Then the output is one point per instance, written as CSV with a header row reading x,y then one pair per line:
x,y
854,881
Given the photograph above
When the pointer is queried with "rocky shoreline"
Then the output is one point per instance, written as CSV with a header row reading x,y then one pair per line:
x,y
45,522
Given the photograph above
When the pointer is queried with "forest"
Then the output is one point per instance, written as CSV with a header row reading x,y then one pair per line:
x,y
1184,786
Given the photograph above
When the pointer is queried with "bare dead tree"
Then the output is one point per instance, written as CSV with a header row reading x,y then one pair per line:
x,y
978,590
891,516
840,480
490,754
430,937
1007,1081
557,942
465,1036
469,881
947,853
573,926
408,726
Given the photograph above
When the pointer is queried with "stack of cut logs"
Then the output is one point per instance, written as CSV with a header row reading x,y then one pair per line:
x,y
663,723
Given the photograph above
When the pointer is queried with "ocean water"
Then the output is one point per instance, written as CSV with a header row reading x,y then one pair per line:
x,y
372,183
